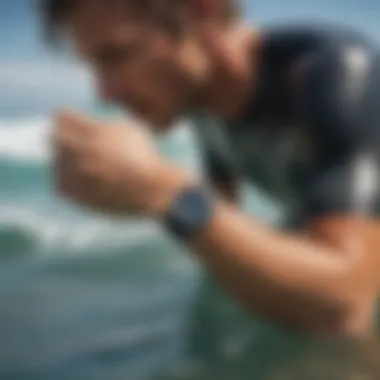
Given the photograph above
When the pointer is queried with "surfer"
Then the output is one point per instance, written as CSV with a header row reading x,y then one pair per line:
x,y
294,109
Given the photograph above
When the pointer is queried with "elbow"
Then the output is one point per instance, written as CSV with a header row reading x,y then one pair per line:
x,y
345,320
346,315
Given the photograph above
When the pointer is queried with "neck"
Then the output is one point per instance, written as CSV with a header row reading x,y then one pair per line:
x,y
236,61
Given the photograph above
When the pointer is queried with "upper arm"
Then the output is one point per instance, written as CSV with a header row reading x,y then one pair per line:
x,y
342,192
342,107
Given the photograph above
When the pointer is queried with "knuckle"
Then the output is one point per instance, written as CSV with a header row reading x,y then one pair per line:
x,y
56,136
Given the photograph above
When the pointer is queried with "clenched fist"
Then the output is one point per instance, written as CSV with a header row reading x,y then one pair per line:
x,y
112,168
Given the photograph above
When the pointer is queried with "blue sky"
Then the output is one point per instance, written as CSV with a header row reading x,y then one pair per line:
x,y
33,80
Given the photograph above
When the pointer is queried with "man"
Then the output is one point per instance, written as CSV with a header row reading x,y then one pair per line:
x,y
299,111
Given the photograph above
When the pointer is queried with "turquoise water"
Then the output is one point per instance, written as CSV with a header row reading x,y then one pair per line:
x,y
83,296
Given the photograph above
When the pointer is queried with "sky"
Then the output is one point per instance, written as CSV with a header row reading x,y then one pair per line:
x,y
34,80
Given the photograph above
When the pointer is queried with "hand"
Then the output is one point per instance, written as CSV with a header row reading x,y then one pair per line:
x,y
112,168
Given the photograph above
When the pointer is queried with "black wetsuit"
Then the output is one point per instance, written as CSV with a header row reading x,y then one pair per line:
x,y
310,138
311,135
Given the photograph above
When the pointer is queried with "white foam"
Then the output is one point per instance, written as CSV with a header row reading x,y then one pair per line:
x,y
25,140
75,235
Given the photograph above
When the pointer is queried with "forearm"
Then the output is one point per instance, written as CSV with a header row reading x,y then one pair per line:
x,y
284,277
297,280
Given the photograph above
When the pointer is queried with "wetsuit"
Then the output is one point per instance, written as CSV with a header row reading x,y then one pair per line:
x,y
310,136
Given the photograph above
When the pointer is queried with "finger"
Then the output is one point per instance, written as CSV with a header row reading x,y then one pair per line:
x,y
67,138
62,171
66,165
74,122
84,194
91,193
72,182
72,117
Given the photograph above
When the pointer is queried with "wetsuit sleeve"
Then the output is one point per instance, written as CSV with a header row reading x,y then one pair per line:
x,y
341,103
219,164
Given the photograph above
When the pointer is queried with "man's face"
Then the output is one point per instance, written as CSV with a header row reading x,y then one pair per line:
x,y
137,64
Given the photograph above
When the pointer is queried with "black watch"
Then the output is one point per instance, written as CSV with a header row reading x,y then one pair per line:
x,y
190,211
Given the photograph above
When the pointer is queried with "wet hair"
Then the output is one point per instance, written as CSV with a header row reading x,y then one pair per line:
x,y
55,12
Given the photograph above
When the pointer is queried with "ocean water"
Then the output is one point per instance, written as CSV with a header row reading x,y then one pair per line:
x,y
83,296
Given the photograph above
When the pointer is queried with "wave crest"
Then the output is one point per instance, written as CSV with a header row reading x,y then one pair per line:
x,y
25,140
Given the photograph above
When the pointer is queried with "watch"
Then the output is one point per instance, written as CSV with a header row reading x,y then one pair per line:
x,y
190,211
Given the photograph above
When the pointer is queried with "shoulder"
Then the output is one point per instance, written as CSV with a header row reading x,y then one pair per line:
x,y
340,88
338,61
341,105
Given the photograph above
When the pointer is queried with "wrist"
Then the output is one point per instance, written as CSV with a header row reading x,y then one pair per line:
x,y
169,182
